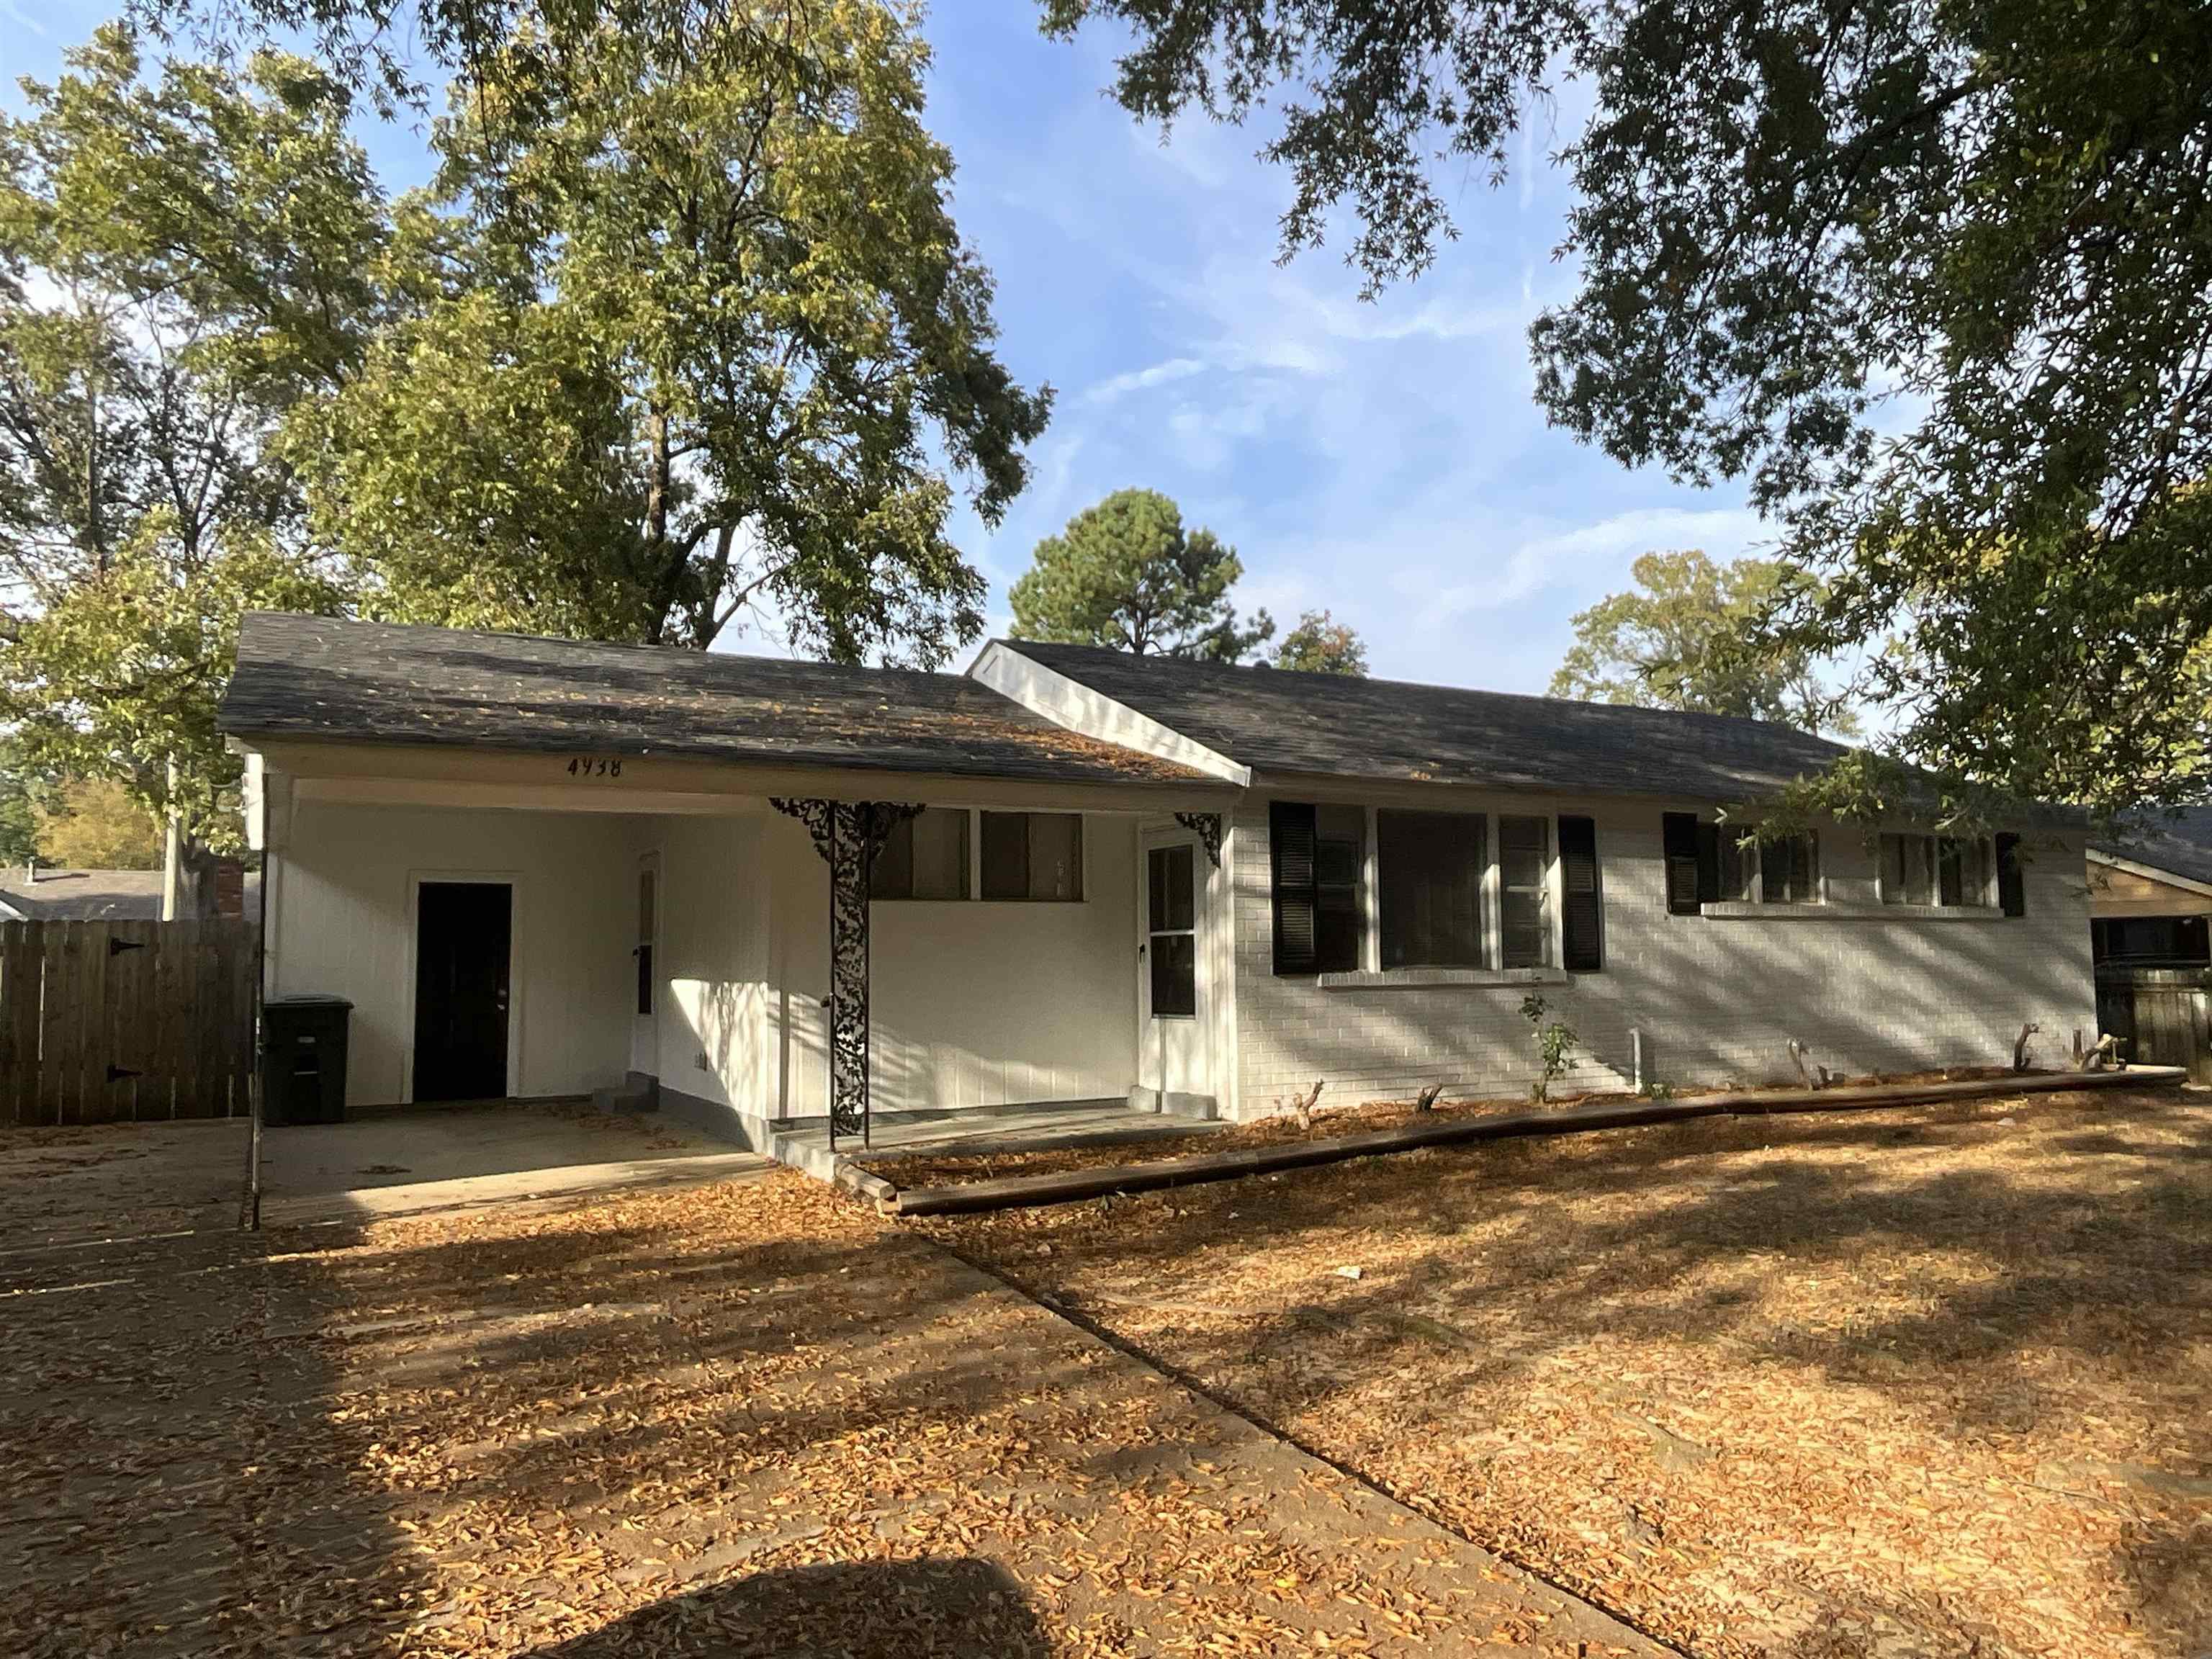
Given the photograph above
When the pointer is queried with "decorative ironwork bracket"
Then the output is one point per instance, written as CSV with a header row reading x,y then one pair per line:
x,y
848,834
1207,828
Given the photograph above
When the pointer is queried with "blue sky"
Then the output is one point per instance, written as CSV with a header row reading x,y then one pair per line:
x,y
1385,461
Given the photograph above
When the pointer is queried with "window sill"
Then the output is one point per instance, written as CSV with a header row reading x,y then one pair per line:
x,y
1739,912
1420,979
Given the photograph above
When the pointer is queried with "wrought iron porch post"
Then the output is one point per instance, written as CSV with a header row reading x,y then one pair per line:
x,y
848,834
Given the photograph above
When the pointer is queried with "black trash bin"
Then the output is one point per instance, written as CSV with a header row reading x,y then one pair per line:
x,y
303,1060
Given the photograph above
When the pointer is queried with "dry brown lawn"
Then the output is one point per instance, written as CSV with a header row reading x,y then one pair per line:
x,y
1927,1382
748,1419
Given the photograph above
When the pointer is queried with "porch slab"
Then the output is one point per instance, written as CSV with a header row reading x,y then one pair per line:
x,y
405,1162
976,1131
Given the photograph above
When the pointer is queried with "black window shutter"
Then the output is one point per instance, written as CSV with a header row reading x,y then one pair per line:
x,y
1290,851
1581,918
1950,882
2012,880
1685,863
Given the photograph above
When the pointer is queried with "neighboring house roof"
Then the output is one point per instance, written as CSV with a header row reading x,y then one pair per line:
x,y
97,896
84,895
316,678
1276,721
2177,843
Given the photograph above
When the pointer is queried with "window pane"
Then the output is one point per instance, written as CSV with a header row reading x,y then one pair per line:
x,y
1524,920
1033,855
924,857
1974,871
1175,975
1739,864
1172,883
939,842
1055,855
891,876
1006,855
1789,870
1340,867
1908,874
1429,866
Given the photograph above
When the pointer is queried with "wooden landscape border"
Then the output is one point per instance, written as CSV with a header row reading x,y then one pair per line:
x,y
1016,1192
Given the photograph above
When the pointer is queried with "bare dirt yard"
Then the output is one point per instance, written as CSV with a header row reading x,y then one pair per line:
x,y
1930,1381
735,1419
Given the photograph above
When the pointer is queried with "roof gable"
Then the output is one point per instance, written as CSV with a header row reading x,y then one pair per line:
x,y
1281,722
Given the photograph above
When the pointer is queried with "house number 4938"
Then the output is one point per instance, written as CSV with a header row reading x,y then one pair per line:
x,y
594,766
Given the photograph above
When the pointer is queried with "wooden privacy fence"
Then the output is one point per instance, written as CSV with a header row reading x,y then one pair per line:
x,y
107,1022
2163,1015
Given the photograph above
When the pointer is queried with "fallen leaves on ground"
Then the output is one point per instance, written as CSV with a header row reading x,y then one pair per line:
x,y
748,1419
1930,1382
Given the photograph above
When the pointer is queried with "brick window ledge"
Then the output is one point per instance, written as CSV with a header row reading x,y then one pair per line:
x,y
1437,979
1733,911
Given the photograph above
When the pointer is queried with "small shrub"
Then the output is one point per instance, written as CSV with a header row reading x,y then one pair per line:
x,y
1555,1040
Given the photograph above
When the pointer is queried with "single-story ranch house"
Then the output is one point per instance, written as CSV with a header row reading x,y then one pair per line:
x,y
538,867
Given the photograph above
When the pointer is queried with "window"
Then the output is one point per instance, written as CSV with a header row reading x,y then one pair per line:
x,y
1450,889
1524,860
1739,864
1171,931
1033,855
2152,941
1789,870
1908,869
1962,871
1936,870
1429,868
925,857
1340,878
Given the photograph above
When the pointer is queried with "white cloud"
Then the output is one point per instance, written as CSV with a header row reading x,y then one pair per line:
x,y
1143,379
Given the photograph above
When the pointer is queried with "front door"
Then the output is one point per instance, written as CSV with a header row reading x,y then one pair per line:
x,y
645,1031
463,930
1173,1048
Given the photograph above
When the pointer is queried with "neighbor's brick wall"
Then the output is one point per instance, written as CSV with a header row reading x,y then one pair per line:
x,y
1717,998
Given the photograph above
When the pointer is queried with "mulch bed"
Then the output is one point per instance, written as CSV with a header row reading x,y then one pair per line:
x,y
1926,1383
957,1169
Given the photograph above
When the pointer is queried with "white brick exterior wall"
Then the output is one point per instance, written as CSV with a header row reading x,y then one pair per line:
x,y
1717,998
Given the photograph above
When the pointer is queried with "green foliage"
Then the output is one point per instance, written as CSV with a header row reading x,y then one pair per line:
x,y
1322,644
1931,279
1555,1040
1689,637
719,337
97,823
1124,574
19,824
181,265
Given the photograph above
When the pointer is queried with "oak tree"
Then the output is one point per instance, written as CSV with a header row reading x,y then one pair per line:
x,y
1932,280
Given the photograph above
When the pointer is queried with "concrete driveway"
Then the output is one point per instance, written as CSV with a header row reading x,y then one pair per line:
x,y
404,1163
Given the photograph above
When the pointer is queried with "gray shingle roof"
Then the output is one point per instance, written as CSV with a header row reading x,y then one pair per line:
x,y
1276,721
319,677
2178,843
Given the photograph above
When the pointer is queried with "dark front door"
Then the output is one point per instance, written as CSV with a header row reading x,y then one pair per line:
x,y
461,934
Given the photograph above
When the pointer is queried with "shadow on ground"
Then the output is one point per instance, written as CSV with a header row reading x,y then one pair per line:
x,y
1799,1360
842,1610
